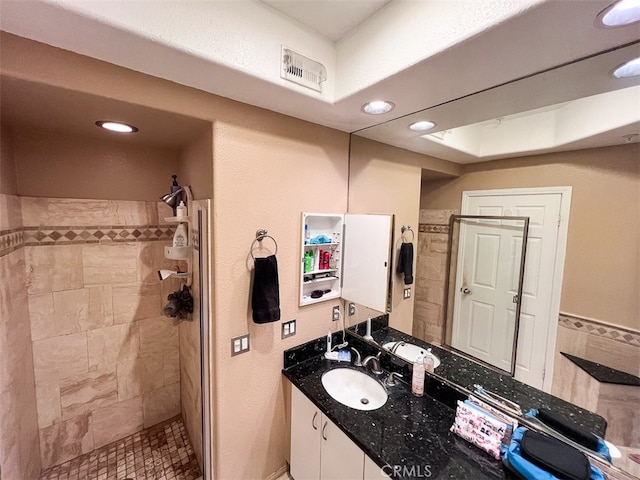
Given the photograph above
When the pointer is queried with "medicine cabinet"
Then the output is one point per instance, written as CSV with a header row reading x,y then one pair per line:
x,y
345,256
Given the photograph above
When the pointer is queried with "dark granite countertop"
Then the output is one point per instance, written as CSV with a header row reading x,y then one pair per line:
x,y
466,373
602,373
408,433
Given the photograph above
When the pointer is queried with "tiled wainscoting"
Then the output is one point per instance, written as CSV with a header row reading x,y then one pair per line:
x,y
161,452
609,345
105,361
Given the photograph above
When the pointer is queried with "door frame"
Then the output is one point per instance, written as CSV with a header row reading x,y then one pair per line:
x,y
558,268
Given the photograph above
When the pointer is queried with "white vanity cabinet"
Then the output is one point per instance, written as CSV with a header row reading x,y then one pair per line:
x,y
319,449
353,263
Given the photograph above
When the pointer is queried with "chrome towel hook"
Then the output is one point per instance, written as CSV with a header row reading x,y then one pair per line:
x,y
261,235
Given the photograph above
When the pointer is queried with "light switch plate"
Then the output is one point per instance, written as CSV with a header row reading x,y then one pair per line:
x,y
240,345
407,293
289,328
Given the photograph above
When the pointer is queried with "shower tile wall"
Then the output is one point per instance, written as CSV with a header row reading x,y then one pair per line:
x,y
431,271
106,361
19,452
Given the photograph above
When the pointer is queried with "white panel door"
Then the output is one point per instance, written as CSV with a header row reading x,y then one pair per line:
x,y
536,319
483,309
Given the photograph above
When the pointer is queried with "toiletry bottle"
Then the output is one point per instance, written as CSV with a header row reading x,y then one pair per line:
x,y
181,210
329,348
308,261
325,259
320,259
175,187
417,381
428,362
180,237
307,234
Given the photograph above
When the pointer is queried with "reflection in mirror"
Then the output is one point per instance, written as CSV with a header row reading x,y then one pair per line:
x,y
599,278
485,276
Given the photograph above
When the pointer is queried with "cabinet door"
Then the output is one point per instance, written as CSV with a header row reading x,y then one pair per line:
x,y
366,255
340,459
305,437
373,471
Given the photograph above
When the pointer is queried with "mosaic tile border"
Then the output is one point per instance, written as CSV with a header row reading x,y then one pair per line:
x,y
619,334
11,240
433,228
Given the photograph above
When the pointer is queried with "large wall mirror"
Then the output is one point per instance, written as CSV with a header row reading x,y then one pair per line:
x,y
574,129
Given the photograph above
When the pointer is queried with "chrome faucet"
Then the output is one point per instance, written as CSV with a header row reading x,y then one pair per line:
x,y
396,346
375,361
358,361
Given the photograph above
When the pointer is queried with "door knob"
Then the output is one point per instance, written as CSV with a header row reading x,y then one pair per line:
x,y
465,290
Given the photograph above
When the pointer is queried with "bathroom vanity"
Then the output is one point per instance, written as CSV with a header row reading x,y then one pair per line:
x,y
408,437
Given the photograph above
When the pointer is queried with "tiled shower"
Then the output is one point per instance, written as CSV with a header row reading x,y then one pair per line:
x,y
87,356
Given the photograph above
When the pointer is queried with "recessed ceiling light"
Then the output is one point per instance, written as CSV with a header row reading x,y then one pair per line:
x,y
117,126
629,69
422,126
378,107
620,13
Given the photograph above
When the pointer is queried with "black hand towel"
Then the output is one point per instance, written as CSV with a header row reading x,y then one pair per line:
x,y
265,297
405,262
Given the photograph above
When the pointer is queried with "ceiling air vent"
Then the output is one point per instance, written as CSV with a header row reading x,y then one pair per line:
x,y
302,70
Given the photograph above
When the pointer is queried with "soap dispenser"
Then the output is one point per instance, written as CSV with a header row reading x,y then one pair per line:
x,y
174,188
417,380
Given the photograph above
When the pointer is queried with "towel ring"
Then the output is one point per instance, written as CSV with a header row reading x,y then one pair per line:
x,y
261,235
407,229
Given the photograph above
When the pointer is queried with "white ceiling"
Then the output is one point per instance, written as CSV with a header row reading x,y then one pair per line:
x,y
331,18
419,54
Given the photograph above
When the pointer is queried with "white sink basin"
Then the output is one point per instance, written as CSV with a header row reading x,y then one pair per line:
x,y
354,389
409,352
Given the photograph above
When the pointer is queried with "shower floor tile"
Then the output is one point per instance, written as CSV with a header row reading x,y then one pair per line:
x,y
160,452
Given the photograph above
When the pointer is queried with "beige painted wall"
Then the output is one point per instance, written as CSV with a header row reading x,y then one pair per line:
x,y
602,267
67,166
8,185
195,165
384,179
267,170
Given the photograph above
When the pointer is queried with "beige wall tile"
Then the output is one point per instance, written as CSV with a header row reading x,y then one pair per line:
x,y
117,421
171,367
161,404
70,308
10,212
66,440
109,263
48,401
620,405
85,212
60,357
153,371
42,318
110,345
53,268
100,308
135,301
151,259
157,335
130,379
437,216
612,353
87,392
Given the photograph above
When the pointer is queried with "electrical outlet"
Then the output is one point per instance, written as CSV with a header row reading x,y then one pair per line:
x,y
407,293
352,309
336,313
240,345
289,328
